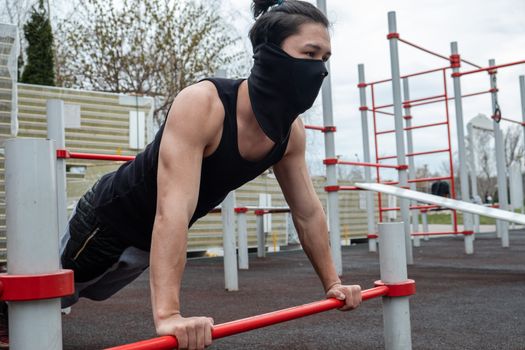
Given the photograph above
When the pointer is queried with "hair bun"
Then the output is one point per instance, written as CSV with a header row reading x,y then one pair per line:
x,y
260,7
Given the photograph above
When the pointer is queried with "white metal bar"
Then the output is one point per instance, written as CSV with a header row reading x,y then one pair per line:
x,y
411,160
400,138
392,262
372,242
463,174
242,232
500,159
56,131
32,238
331,169
261,237
231,282
445,202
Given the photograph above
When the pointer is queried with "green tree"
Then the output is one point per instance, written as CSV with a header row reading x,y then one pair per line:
x,y
146,47
40,57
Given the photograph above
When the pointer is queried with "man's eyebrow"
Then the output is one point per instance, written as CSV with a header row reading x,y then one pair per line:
x,y
317,47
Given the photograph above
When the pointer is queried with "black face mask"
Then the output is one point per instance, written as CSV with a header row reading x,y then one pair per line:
x,y
281,87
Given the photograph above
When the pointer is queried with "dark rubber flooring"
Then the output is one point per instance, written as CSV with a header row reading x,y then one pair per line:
x,y
462,302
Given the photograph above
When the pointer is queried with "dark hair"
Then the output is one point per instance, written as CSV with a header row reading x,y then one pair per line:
x,y
279,22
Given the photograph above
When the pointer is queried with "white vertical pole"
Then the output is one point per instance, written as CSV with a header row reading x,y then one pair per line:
x,y
56,131
228,242
473,172
463,174
331,169
372,242
261,237
522,95
242,232
411,162
32,238
500,160
400,138
424,217
392,262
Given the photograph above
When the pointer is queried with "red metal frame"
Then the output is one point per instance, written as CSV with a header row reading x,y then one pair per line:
x,y
63,153
268,319
36,287
321,128
409,104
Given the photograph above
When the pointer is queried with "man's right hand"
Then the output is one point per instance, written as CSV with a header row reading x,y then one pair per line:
x,y
192,333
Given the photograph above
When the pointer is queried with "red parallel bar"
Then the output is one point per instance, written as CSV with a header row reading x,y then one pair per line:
x,y
437,233
100,156
426,152
409,75
386,157
349,188
424,50
513,121
381,112
410,102
255,322
414,127
426,126
376,165
314,127
422,179
487,69
424,207
450,98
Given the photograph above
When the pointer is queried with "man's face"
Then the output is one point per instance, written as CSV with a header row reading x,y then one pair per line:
x,y
311,42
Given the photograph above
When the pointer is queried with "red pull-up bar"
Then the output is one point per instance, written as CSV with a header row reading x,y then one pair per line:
x,y
255,322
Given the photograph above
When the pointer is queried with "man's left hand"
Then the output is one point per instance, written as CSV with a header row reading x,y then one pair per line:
x,y
350,294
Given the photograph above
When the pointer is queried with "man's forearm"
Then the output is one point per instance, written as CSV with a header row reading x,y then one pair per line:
x,y
313,233
167,262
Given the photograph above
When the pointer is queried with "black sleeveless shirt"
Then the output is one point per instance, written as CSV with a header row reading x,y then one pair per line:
x,y
126,199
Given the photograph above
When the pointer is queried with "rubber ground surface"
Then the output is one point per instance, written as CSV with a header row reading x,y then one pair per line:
x,y
462,301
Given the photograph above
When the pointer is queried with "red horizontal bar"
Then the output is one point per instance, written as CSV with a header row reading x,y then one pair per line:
x,y
375,165
412,207
427,179
321,128
408,102
425,126
452,98
488,69
426,152
513,121
438,233
424,50
350,188
255,322
412,128
386,157
409,75
73,155
271,211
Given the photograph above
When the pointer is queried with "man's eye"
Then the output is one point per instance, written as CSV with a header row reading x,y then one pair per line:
x,y
311,54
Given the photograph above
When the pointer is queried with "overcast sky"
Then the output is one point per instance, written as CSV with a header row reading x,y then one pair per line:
x,y
483,30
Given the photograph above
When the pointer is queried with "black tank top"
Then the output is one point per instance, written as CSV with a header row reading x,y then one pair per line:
x,y
126,199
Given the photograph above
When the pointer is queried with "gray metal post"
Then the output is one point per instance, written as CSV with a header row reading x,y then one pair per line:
x,y
411,163
231,282
400,138
424,218
242,232
32,238
372,242
261,236
331,169
522,95
463,174
473,172
56,131
500,160
393,267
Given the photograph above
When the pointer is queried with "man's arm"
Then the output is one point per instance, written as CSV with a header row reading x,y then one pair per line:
x,y
309,217
187,133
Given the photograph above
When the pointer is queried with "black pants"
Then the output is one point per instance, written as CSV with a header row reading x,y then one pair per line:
x,y
92,247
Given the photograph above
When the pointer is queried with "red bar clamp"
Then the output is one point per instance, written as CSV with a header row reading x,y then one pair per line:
x,y
401,289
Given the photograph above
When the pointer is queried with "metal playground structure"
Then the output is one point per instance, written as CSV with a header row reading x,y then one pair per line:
x,y
35,189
